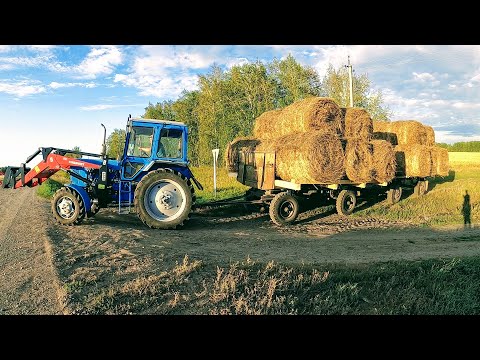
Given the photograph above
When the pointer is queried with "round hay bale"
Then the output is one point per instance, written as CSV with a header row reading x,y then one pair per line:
x,y
430,140
314,113
413,160
231,153
384,162
359,161
265,123
382,130
310,157
440,164
358,124
404,132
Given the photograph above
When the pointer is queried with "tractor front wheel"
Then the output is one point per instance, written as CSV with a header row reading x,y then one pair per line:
x,y
68,207
163,199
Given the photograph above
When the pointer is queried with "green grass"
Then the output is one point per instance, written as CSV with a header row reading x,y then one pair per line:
x,y
448,286
442,205
226,186
55,182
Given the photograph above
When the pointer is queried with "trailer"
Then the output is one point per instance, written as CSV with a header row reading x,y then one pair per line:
x,y
284,198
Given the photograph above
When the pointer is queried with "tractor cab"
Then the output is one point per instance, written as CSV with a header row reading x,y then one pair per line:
x,y
150,143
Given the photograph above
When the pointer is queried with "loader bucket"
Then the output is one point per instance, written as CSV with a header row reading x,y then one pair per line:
x,y
9,178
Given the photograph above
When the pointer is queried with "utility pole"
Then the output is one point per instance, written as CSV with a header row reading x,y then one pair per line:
x,y
350,78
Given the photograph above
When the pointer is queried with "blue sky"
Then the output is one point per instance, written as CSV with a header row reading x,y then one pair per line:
x,y
58,95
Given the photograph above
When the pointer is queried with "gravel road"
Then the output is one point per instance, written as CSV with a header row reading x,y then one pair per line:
x,y
28,283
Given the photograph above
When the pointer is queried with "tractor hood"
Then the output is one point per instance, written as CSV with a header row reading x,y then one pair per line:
x,y
112,164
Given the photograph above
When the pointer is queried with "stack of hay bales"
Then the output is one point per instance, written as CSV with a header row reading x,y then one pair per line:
x,y
306,141
414,145
366,160
316,141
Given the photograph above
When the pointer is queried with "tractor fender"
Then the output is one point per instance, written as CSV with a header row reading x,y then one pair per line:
x,y
83,194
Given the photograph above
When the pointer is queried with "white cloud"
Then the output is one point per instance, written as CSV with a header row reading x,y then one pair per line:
x,y
164,86
423,77
5,48
101,60
56,85
42,48
21,88
36,61
449,138
236,62
106,106
6,66
466,105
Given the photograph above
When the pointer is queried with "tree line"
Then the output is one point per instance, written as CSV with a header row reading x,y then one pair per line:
x,y
464,146
228,101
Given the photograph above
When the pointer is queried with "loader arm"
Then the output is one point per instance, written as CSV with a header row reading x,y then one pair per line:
x,y
16,177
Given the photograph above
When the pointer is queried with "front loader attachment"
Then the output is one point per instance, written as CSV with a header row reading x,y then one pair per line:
x,y
14,174
54,159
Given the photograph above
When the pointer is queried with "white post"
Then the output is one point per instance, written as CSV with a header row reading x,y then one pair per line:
x,y
350,80
215,158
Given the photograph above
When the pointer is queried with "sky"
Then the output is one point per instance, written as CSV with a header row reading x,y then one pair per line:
x,y
58,96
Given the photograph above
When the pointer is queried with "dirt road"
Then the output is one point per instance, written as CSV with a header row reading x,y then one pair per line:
x,y
28,282
110,246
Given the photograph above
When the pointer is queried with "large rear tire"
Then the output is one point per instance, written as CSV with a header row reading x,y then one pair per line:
x,y
68,207
346,202
164,199
284,209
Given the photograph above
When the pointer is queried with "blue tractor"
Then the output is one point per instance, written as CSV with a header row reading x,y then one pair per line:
x,y
152,176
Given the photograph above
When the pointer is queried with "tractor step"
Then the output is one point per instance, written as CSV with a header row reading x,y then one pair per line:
x,y
126,208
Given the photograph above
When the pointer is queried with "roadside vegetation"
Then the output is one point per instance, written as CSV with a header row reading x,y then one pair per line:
x,y
437,287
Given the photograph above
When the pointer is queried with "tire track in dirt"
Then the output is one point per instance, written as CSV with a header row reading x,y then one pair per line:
x,y
28,284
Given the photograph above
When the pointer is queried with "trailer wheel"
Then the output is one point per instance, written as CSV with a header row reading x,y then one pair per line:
x,y
68,207
421,188
394,195
346,202
284,209
163,199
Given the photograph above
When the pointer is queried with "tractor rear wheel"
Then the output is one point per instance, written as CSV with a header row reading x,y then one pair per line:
x,y
68,207
163,199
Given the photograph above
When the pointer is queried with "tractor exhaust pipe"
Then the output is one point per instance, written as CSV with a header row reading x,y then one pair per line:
x,y
104,145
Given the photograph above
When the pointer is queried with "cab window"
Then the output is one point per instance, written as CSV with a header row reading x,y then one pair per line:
x,y
140,144
170,144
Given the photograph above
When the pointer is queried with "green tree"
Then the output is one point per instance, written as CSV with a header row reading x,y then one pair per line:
x,y
73,155
160,111
211,113
116,143
335,85
185,110
294,81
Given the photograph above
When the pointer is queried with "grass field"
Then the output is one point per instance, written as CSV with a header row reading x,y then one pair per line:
x,y
193,287
443,203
